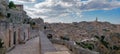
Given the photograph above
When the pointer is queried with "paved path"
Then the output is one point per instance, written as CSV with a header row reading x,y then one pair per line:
x,y
30,47
46,45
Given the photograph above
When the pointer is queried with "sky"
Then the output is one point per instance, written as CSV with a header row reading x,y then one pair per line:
x,y
68,11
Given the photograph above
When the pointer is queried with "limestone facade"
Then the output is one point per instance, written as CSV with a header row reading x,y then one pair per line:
x,y
39,23
20,7
13,34
3,9
12,29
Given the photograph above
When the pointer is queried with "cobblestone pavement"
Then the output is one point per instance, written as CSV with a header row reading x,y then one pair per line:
x,y
30,47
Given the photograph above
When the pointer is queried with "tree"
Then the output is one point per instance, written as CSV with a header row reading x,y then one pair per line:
x,y
86,45
11,5
102,40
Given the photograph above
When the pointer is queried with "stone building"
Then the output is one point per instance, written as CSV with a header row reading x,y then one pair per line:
x,y
3,9
12,29
13,34
39,23
20,7
7,34
78,31
17,16
23,32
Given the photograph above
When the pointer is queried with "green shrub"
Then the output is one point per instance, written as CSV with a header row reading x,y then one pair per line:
x,y
97,37
105,30
101,39
116,48
1,43
86,45
64,38
32,23
11,5
49,36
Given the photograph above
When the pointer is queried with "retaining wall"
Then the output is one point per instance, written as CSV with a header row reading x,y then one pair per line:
x,y
74,48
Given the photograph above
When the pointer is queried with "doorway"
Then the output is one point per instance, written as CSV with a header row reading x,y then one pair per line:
x,y
14,38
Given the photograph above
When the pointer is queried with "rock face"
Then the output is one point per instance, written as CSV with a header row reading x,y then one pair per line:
x,y
3,9
17,16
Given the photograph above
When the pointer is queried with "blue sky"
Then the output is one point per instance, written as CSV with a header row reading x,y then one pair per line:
x,y
72,10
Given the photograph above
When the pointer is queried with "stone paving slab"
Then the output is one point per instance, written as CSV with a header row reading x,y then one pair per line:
x,y
30,47
46,45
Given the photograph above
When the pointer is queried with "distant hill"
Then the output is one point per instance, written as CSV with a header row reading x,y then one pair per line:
x,y
81,30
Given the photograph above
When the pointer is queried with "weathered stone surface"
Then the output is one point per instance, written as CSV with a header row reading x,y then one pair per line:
x,y
61,52
74,48
46,45
3,9
31,47
17,16
2,50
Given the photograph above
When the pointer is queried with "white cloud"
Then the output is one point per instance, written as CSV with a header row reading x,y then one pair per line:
x,y
28,0
24,1
60,8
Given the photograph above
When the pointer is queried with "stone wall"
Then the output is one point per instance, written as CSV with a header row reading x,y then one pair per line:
x,y
39,23
24,32
7,33
13,34
74,48
3,9
17,16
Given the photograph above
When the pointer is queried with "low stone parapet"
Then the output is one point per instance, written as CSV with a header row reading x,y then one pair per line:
x,y
74,48
45,44
59,52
